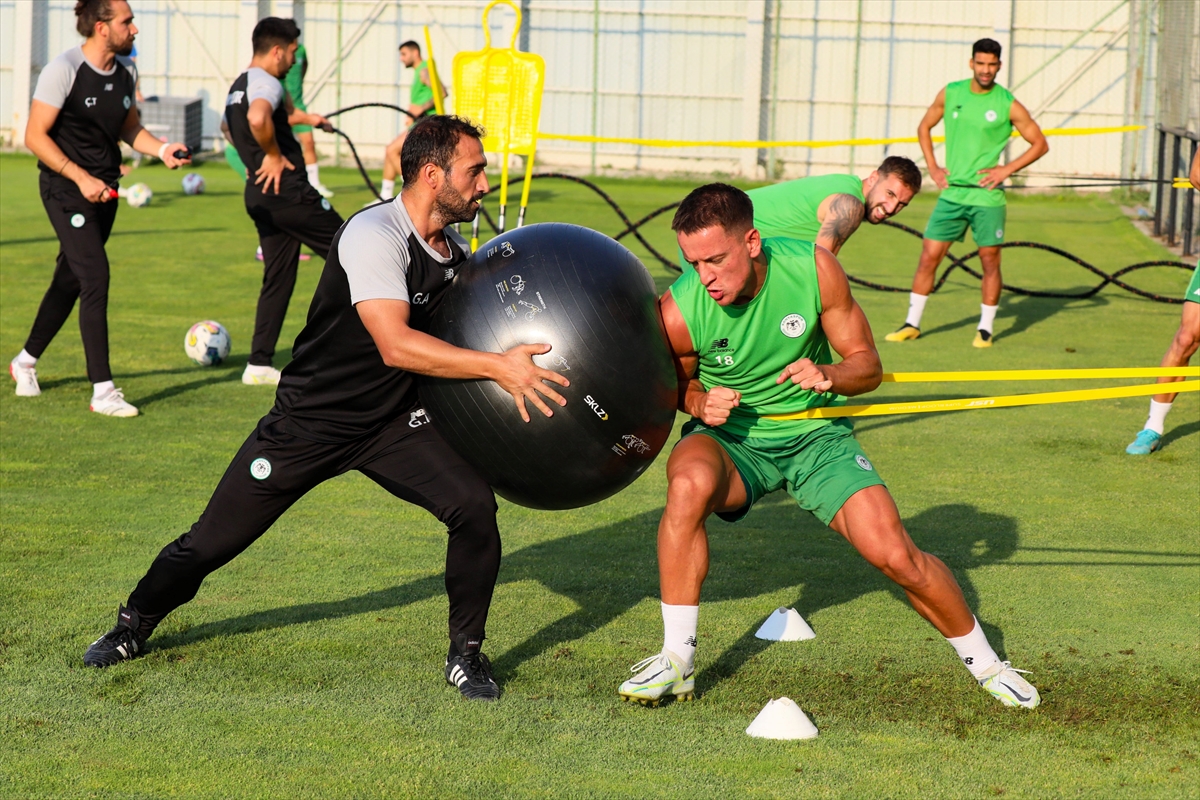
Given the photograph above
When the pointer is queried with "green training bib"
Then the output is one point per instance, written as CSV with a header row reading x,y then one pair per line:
x,y
977,130
746,347
420,94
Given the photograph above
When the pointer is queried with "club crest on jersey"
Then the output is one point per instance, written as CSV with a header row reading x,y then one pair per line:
x,y
127,102
863,463
990,116
793,326
77,220
325,204
260,469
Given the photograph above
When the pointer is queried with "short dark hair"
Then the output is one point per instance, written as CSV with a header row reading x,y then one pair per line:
x,y
412,44
714,204
434,140
989,46
272,31
904,169
89,12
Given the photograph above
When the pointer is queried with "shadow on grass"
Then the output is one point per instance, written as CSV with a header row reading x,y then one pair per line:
x,y
1178,433
1026,312
218,373
172,231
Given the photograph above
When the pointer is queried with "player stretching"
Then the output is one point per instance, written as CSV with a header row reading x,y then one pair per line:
x,y
1179,353
751,328
980,114
82,106
348,401
420,103
827,209
285,207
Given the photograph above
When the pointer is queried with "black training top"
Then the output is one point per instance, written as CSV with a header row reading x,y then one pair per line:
x,y
337,387
93,107
254,84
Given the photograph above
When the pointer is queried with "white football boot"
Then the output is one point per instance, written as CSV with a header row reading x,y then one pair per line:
x,y
661,675
1006,685
260,376
26,378
113,404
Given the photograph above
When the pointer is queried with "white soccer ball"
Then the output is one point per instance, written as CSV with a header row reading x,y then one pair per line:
x,y
193,183
138,195
207,343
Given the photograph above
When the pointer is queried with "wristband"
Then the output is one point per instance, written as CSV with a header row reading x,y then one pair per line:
x,y
162,151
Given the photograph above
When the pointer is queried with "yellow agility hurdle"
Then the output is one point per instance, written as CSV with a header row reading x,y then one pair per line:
x,y
501,89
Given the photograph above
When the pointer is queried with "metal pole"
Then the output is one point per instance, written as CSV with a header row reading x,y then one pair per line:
x,y
595,76
1158,186
774,67
1189,207
891,70
337,146
1174,192
854,88
641,77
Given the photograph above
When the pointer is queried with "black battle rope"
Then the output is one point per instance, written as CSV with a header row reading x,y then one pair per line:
x,y
956,262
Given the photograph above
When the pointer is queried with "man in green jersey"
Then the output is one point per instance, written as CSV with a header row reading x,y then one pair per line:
x,y
1179,353
980,115
293,82
751,328
827,209
420,103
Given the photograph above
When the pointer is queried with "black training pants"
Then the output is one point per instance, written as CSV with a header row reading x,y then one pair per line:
x,y
275,468
285,221
80,273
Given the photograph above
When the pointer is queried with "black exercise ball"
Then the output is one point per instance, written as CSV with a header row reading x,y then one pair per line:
x,y
594,303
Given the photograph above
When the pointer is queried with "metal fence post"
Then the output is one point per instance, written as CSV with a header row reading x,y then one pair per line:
x,y
1158,186
1174,194
1189,207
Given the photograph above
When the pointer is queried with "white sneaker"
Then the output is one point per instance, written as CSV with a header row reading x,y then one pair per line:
x,y
112,404
321,190
26,378
661,675
260,376
1003,682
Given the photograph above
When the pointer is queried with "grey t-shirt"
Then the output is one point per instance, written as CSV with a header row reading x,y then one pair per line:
x,y
375,252
57,78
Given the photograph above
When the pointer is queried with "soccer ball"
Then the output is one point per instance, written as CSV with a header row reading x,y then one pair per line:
x,y
138,195
207,343
193,183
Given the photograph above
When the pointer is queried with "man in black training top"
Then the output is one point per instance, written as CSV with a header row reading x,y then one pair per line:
x,y
348,401
82,108
285,207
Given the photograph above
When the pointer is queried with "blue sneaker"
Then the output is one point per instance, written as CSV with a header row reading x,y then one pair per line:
x,y
1145,443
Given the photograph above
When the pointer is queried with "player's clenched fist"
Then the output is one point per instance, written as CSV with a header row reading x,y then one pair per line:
x,y
807,375
716,405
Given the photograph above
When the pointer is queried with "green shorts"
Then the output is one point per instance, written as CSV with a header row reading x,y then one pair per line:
x,y
821,469
949,221
299,104
1193,290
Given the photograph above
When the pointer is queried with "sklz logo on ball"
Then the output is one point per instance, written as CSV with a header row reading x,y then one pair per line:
x,y
793,326
260,469
594,406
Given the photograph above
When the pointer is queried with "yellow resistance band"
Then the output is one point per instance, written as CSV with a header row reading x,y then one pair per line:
x,y
969,404
566,137
1041,374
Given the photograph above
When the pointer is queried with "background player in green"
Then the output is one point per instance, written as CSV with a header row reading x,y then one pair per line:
x,y
750,328
1179,353
827,209
293,82
980,115
420,104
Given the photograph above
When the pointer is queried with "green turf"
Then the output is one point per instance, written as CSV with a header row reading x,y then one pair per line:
x,y
311,665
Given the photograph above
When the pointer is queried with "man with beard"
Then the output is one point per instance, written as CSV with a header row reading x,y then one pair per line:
x,y
348,401
287,210
82,107
980,115
827,209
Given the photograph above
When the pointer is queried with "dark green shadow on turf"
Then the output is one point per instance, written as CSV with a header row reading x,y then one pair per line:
x,y
171,231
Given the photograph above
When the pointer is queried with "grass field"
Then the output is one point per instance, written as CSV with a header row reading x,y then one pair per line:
x,y
311,665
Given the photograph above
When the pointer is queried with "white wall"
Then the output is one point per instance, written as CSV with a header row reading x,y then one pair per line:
x,y
667,69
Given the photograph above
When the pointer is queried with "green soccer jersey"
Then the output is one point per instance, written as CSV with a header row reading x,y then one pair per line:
x,y
788,210
294,80
746,347
420,94
977,130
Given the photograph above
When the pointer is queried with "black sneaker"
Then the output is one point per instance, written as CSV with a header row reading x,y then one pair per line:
x,y
120,644
469,670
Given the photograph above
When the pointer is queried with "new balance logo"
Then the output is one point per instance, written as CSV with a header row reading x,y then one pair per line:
x,y
720,344
690,641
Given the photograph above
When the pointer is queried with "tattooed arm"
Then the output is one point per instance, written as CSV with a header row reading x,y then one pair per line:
x,y
840,216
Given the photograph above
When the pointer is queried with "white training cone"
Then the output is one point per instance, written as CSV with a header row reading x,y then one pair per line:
x,y
785,625
782,719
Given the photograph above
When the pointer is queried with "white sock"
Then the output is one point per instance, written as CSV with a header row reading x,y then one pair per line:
x,y
916,307
386,189
258,369
23,359
102,388
987,317
976,654
313,171
1156,421
679,631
